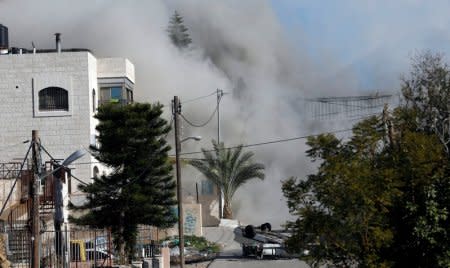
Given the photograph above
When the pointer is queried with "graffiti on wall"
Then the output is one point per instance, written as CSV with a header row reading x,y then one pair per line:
x,y
190,222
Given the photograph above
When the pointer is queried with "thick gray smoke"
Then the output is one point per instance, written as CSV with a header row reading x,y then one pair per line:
x,y
238,46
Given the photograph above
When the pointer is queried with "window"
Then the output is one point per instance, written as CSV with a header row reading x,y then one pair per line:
x,y
53,99
116,94
207,187
111,94
129,95
93,100
115,90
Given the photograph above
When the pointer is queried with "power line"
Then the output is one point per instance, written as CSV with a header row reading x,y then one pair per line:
x,y
77,179
270,142
199,98
243,146
17,177
85,163
203,124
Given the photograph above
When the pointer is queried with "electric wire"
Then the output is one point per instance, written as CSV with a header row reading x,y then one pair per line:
x,y
54,159
199,125
187,153
206,122
210,117
45,150
269,142
199,98
243,146
77,179
17,177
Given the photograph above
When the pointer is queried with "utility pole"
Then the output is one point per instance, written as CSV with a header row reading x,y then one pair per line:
x,y
35,228
176,119
219,93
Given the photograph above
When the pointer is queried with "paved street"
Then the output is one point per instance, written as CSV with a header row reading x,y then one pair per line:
x,y
246,263
231,256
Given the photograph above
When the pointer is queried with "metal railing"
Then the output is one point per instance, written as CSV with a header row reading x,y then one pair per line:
x,y
115,101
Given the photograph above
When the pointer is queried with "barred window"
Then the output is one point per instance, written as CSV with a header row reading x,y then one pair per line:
x,y
53,99
207,187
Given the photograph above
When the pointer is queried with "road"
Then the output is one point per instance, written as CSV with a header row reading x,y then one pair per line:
x,y
246,263
231,255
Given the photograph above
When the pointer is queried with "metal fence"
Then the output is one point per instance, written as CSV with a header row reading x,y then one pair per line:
x,y
77,247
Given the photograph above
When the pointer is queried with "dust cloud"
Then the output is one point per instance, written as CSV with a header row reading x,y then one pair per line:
x,y
239,47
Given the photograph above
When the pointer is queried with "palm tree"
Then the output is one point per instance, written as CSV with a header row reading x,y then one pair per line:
x,y
228,169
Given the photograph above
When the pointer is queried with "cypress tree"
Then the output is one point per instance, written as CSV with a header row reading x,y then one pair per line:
x,y
140,188
178,32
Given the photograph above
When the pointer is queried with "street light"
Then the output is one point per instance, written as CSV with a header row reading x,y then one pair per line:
x,y
196,138
179,194
69,160
73,157
58,217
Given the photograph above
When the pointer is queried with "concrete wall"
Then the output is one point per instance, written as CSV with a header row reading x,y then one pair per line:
x,y
61,133
210,210
192,221
115,67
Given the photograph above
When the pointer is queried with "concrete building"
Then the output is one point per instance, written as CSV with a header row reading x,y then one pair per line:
x,y
57,91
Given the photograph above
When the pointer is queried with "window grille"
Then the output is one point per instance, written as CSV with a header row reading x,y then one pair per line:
x,y
207,187
53,99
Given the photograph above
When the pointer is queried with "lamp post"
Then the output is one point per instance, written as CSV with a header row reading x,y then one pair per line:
x,y
180,196
178,141
61,240
196,138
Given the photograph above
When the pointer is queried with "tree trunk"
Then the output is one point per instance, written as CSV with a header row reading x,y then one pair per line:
x,y
227,212
122,253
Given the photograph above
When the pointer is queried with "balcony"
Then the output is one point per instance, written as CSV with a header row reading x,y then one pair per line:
x,y
116,101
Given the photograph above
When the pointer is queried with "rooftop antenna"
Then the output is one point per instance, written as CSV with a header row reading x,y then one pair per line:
x,y
58,42
34,47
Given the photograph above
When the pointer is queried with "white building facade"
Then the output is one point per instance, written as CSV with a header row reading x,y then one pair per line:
x,y
57,93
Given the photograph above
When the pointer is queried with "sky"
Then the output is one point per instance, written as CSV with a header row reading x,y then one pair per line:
x,y
267,55
374,39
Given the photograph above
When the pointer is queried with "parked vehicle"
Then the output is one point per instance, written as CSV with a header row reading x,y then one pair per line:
x,y
82,252
97,255
259,250
261,241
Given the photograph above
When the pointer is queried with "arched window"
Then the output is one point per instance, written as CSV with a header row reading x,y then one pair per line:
x,y
53,99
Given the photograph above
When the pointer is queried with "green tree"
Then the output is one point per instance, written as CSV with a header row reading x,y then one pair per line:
x,y
342,209
140,188
178,32
373,203
228,169
382,198
427,91
421,217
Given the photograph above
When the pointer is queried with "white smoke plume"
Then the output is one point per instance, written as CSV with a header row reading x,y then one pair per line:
x,y
238,46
